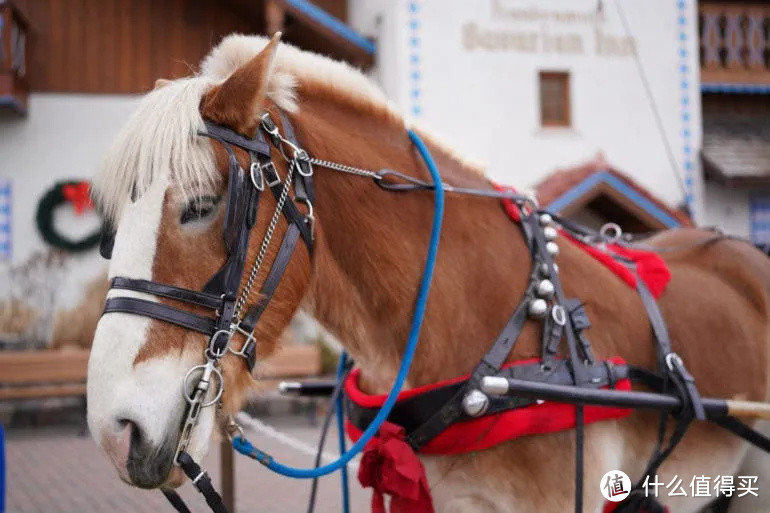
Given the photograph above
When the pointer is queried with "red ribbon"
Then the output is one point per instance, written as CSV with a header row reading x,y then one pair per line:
x,y
79,195
390,466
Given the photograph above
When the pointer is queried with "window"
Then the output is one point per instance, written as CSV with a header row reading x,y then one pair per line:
x,y
554,99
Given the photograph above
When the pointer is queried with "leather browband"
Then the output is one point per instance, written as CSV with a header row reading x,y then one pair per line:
x,y
227,135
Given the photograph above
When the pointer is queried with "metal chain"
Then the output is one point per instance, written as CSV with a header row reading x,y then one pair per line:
x,y
345,168
263,249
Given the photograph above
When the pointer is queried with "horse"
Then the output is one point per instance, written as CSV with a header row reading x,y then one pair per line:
x,y
161,187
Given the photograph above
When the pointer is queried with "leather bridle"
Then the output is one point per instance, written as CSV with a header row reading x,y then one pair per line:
x,y
220,294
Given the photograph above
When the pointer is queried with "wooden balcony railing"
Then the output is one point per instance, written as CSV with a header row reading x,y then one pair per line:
x,y
734,43
14,86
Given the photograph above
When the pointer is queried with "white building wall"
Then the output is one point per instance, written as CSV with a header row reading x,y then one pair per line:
x,y
64,137
470,70
728,209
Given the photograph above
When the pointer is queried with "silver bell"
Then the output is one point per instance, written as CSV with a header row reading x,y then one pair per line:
x,y
549,232
545,289
545,219
545,271
555,267
475,403
552,248
537,308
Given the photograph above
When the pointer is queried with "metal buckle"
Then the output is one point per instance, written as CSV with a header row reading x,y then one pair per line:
x,y
558,315
268,170
673,360
250,339
254,172
309,217
270,128
302,156
215,355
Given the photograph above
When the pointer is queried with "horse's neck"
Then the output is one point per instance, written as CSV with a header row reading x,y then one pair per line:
x,y
372,248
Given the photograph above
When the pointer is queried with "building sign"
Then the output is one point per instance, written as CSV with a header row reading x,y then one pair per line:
x,y
760,220
536,30
5,220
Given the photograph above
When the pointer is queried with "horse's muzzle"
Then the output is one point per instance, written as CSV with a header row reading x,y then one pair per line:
x,y
148,465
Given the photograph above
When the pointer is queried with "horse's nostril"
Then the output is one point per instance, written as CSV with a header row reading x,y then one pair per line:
x,y
147,463
130,433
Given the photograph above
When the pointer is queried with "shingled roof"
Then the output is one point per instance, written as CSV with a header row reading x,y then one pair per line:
x,y
736,150
565,187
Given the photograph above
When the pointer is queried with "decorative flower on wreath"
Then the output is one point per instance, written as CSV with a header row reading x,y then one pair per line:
x,y
77,194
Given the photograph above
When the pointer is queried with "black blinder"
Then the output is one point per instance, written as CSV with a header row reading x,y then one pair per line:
x,y
235,208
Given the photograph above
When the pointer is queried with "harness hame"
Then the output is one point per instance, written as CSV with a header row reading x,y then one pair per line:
x,y
491,388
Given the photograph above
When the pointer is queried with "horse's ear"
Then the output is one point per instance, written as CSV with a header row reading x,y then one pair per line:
x,y
239,100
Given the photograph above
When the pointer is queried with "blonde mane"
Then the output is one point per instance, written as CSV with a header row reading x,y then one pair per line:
x,y
160,138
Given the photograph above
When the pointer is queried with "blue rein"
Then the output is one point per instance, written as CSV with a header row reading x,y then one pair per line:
x,y
243,446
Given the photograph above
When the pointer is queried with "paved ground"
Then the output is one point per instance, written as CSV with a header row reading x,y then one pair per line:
x,y
53,470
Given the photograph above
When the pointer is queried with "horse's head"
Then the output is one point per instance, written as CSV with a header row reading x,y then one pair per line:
x,y
179,192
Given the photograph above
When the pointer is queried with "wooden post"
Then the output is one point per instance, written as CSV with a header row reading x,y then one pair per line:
x,y
227,473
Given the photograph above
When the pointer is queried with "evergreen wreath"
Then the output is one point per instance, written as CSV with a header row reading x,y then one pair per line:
x,y
76,194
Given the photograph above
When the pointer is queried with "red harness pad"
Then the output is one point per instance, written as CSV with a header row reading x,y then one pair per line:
x,y
485,432
650,267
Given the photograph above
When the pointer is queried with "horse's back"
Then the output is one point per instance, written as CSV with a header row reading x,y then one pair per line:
x,y
717,307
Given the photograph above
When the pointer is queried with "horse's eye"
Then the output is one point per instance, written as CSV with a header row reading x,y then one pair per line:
x,y
199,208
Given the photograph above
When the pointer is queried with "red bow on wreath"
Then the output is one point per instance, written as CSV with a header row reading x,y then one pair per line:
x,y
390,466
79,195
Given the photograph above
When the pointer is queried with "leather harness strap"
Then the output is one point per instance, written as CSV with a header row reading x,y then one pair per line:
x,y
202,482
160,312
168,291
413,412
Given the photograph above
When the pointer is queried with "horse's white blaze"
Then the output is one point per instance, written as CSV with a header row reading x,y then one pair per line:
x,y
149,394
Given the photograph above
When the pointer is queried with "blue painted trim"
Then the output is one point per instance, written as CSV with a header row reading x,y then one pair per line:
x,y
415,59
685,80
621,187
7,100
6,247
332,23
758,204
735,88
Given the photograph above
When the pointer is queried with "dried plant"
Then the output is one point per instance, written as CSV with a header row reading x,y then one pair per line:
x,y
28,298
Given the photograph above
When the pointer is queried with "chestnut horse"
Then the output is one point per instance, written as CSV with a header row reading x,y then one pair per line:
x,y
161,187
